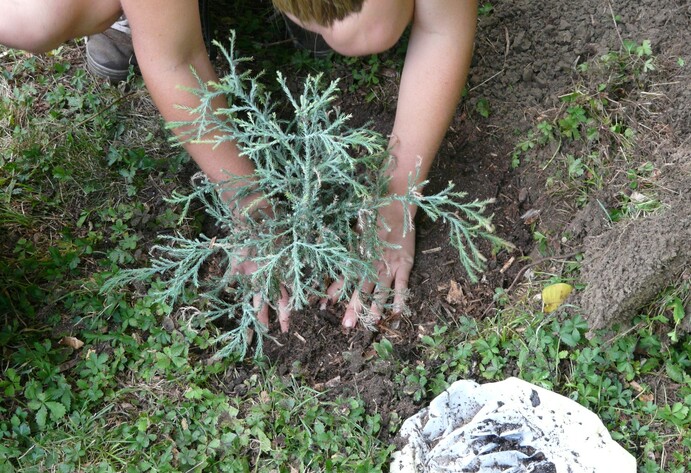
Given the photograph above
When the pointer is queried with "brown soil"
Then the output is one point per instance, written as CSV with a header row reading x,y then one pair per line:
x,y
525,59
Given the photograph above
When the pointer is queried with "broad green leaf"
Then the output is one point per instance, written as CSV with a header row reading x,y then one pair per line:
x,y
678,310
194,392
41,415
34,405
675,372
57,410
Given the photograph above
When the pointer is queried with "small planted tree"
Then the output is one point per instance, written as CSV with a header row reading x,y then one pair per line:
x,y
322,184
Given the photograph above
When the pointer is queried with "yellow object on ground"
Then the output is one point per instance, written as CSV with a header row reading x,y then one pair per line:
x,y
554,295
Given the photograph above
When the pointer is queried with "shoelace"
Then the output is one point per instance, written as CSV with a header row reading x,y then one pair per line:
x,y
122,25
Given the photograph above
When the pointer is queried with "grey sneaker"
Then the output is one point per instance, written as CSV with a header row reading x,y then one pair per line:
x,y
110,54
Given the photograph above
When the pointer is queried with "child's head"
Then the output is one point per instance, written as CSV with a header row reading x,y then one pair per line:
x,y
322,12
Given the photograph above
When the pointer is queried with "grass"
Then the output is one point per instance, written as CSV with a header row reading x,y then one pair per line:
x,y
81,197
77,204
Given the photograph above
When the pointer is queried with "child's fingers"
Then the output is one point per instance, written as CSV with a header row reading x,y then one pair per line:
x,y
400,291
353,311
382,292
355,306
262,309
333,294
284,310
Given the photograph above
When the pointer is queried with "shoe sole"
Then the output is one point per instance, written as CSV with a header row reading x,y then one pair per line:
x,y
113,75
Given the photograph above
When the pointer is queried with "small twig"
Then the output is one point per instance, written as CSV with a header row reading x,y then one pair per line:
x,y
553,155
277,43
621,335
616,25
503,68
485,81
540,261
507,265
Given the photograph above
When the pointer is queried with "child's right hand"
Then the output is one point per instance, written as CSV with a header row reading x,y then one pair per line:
x,y
256,205
282,306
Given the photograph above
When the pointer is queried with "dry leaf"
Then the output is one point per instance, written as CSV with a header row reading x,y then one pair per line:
x,y
72,342
455,294
531,216
554,295
638,198
647,397
642,394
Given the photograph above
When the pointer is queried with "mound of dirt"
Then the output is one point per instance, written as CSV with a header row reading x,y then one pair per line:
x,y
627,266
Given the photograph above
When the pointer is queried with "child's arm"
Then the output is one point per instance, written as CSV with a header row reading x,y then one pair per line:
x,y
434,74
168,41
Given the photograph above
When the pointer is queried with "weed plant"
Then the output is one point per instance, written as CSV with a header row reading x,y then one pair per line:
x,y
595,124
323,183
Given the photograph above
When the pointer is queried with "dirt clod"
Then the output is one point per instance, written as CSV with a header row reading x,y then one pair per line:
x,y
627,266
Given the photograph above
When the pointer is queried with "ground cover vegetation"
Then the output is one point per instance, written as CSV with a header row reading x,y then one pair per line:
x,y
122,381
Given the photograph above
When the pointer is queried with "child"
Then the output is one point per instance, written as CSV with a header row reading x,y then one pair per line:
x,y
167,40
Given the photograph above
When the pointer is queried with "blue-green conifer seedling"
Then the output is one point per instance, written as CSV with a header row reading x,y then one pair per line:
x,y
322,184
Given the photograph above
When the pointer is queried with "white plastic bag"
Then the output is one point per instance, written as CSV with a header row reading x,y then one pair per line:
x,y
511,427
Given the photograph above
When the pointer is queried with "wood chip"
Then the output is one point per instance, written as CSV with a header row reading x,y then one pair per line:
x,y
332,383
507,265
72,342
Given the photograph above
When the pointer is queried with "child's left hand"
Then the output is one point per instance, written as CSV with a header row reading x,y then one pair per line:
x,y
393,271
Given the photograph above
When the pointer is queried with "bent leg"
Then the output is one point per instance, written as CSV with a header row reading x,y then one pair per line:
x,y
42,25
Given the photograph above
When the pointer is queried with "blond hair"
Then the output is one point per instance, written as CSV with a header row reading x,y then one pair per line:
x,y
322,12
